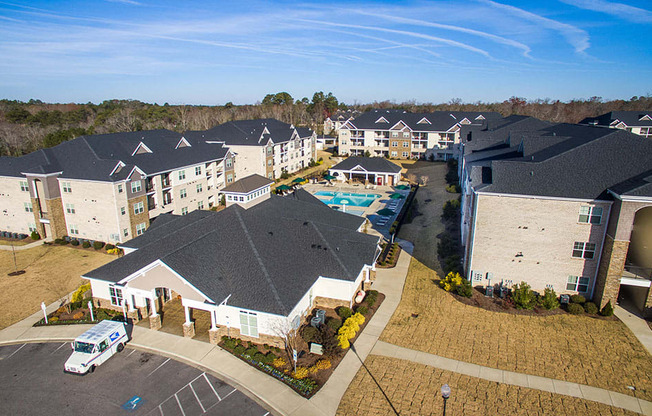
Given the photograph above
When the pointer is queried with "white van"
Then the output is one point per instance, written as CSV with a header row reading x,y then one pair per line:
x,y
95,346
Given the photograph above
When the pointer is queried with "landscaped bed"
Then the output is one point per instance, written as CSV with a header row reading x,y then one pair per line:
x,y
388,256
312,370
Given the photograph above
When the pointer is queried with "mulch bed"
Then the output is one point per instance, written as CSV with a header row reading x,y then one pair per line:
x,y
306,359
496,304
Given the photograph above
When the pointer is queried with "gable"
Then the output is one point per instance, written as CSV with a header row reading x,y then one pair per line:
x,y
400,126
645,117
159,274
424,121
480,117
118,167
183,143
381,120
465,121
141,148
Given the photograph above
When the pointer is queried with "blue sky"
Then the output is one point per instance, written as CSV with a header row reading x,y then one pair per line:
x,y
191,52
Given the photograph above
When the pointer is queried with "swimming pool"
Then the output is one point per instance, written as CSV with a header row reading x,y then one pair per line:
x,y
346,198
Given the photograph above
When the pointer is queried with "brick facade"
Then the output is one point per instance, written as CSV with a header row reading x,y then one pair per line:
x,y
57,218
215,336
610,270
135,219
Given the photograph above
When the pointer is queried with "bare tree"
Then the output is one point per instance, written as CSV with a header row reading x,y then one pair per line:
x,y
424,180
284,329
412,178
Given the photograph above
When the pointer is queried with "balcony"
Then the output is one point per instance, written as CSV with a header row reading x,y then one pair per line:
x,y
637,272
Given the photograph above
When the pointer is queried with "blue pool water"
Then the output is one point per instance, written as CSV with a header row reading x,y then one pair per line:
x,y
346,198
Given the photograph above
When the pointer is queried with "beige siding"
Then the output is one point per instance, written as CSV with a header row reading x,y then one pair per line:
x,y
527,239
13,216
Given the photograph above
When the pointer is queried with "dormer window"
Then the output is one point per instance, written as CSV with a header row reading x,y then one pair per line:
x,y
424,121
645,117
382,120
480,117
141,148
183,143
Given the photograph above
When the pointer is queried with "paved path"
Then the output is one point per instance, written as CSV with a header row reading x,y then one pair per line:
x,y
637,325
22,247
515,379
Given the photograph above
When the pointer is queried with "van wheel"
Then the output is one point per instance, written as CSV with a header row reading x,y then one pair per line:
x,y
121,347
90,370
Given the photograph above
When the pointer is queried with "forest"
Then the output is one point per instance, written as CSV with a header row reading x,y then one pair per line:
x,y
32,125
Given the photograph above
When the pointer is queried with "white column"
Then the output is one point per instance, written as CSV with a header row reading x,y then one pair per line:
x,y
213,324
187,312
152,303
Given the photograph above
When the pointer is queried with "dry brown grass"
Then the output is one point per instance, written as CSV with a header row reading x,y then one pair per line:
x,y
50,273
310,171
413,389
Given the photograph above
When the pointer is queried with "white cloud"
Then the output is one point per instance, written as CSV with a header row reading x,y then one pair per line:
x,y
575,36
623,11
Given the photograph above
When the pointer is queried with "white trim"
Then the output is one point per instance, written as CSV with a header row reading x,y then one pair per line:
x,y
426,121
480,117
629,198
403,128
646,117
635,282
183,140
381,120
554,198
132,172
38,175
119,165
143,145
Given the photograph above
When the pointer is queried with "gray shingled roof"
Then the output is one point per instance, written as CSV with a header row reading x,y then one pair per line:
x,y
248,184
247,132
630,118
370,164
266,257
439,120
95,157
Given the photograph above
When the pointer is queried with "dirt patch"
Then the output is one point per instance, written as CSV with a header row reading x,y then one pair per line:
x,y
51,272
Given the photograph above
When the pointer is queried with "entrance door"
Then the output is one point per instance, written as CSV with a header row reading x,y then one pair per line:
x,y
379,180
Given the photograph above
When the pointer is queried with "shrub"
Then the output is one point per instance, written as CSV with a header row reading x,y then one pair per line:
x,y
229,343
591,308
608,310
447,246
239,349
358,318
453,189
98,245
464,289
343,341
549,299
86,244
279,362
452,263
300,373
322,364
78,315
329,342
59,241
362,309
575,309
109,247
578,299
344,312
334,323
74,242
258,356
35,236
269,358
78,295
451,209
451,281
251,351
309,334
523,296
53,319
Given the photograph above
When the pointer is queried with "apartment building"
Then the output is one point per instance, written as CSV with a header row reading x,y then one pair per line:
x,y
402,135
107,187
266,147
558,205
333,123
637,122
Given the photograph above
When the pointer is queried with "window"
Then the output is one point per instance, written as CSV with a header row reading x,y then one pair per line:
x,y
591,215
116,296
114,237
29,207
123,211
66,187
229,162
394,134
182,175
394,144
393,154
406,134
125,232
406,144
241,198
184,211
183,193
135,186
578,284
119,188
229,178
32,227
198,170
583,250
139,207
406,154
70,208
74,230
249,324
269,162
200,205
140,228
199,188
269,150
23,186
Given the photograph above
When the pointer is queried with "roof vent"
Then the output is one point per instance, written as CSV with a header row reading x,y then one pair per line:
x,y
531,173
305,223
319,246
313,245
271,233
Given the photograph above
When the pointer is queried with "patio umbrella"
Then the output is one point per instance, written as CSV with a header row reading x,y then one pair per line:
x,y
298,180
396,196
386,211
329,177
283,188
403,187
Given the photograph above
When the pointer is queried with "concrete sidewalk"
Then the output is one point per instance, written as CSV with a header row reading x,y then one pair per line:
x,y
516,379
23,247
637,325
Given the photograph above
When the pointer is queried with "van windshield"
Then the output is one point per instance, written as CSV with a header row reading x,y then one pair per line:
x,y
84,347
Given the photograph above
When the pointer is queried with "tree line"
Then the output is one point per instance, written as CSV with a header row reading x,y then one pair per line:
x,y
32,125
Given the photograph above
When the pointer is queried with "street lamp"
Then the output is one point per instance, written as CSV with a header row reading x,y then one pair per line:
x,y
445,393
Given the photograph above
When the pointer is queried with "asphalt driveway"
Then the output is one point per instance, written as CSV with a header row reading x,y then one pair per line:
x,y
32,382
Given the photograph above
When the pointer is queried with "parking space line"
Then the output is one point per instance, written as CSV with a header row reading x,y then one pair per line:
x,y
162,364
179,403
232,391
65,343
197,397
212,388
132,351
266,414
161,409
12,354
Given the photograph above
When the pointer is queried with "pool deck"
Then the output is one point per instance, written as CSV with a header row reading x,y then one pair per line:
x,y
369,212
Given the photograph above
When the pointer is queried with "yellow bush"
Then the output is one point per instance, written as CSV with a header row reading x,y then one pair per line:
x,y
279,362
451,281
358,318
53,319
346,331
323,364
302,372
114,250
77,295
343,340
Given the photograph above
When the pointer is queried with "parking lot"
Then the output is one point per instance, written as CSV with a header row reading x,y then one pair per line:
x,y
32,382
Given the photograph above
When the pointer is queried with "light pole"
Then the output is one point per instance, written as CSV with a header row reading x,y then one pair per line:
x,y
445,393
